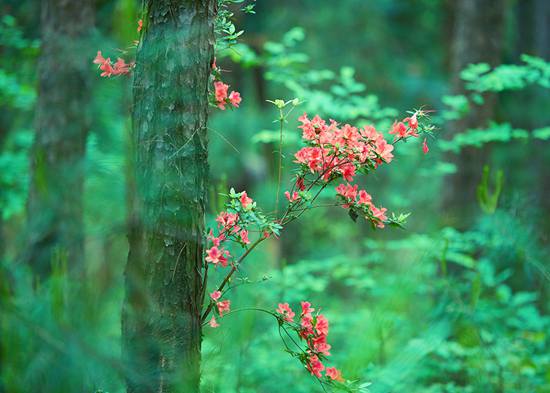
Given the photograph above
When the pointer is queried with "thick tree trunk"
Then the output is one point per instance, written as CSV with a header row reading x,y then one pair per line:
x,y
55,196
477,37
162,310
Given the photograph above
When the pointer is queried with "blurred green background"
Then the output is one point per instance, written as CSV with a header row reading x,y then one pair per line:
x,y
456,302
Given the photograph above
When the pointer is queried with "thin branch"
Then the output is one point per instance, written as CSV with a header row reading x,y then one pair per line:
x,y
281,121
233,270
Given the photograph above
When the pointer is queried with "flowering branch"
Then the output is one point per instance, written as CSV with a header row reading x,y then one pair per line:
x,y
332,153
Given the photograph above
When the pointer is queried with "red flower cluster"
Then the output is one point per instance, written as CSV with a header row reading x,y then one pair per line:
x,y
221,95
364,204
313,329
229,228
222,306
400,130
120,67
292,197
222,99
335,151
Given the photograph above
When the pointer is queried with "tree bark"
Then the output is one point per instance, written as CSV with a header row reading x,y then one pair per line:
x,y
161,319
477,37
55,204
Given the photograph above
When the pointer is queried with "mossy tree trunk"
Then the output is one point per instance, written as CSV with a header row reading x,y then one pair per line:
x,y
162,309
55,205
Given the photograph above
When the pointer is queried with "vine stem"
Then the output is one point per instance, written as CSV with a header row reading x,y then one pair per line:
x,y
280,169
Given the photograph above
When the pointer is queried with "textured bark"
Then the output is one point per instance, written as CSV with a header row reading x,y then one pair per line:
x,y
162,309
55,196
477,37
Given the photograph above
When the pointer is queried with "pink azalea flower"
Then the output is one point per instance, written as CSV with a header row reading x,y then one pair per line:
x,y
333,373
245,200
364,198
322,348
321,325
215,295
213,323
224,307
348,191
220,91
244,236
412,121
227,220
121,68
307,127
425,148
399,129
285,310
347,171
216,241
380,215
216,256
107,68
140,25
235,98
320,345
307,326
99,59
384,149
314,366
306,308
292,198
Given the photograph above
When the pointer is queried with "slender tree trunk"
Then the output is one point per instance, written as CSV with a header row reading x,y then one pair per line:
x,y
477,37
55,196
541,29
162,309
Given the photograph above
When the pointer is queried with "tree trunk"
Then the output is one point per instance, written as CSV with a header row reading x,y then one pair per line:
x,y
161,319
477,37
55,197
542,28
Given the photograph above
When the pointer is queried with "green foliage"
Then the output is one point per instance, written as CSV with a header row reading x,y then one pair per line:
x,y
17,99
345,98
226,32
14,173
489,201
542,133
458,107
16,91
481,78
503,133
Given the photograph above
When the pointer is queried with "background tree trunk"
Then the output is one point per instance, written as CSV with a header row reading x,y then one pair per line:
x,y
477,37
162,309
55,196
541,34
